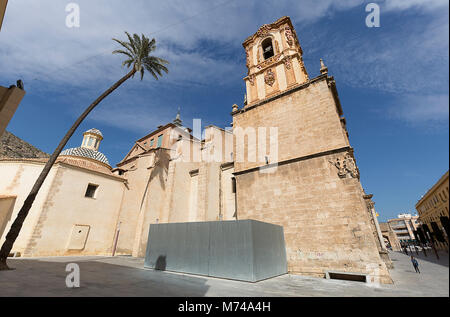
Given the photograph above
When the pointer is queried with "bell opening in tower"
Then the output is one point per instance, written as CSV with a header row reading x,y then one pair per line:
x,y
267,48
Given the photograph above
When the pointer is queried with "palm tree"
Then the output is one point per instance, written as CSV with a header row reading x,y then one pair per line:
x,y
137,50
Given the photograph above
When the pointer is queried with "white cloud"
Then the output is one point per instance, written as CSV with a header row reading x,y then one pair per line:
x,y
422,110
396,5
36,43
36,46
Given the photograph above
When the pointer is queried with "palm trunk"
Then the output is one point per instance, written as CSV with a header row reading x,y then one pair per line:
x,y
18,222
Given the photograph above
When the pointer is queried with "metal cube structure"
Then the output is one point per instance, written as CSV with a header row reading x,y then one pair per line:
x,y
245,250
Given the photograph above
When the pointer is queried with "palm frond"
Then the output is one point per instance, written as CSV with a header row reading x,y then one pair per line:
x,y
123,52
132,44
124,44
137,50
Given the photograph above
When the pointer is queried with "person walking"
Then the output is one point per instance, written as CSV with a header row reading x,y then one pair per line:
x,y
415,264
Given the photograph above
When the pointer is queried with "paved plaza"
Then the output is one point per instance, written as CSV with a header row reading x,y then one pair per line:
x,y
125,276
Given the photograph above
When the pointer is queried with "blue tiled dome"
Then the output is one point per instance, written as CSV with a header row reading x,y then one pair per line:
x,y
85,152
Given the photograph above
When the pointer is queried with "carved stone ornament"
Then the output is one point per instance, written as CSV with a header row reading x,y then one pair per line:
x,y
269,61
248,58
287,62
263,30
302,66
346,166
269,78
251,79
370,205
288,34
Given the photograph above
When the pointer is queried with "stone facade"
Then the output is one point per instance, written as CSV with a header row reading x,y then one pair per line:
x,y
376,230
433,212
184,179
311,186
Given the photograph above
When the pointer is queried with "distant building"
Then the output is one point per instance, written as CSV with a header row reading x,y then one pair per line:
x,y
3,4
389,236
433,213
404,226
10,99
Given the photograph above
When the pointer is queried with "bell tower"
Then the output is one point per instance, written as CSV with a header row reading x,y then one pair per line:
x,y
294,165
274,61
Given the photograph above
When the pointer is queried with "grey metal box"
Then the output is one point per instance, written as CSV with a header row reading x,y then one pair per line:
x,y
246,250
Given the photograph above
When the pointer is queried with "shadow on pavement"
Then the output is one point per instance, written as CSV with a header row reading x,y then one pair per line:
x,y
48,278
430,257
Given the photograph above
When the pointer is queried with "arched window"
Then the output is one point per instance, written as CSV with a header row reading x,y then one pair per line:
x,y
267,48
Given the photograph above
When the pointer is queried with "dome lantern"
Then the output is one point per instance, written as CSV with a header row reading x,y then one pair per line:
x,y
92,139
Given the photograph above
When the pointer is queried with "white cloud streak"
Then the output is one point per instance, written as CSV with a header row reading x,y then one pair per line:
x,y
36,45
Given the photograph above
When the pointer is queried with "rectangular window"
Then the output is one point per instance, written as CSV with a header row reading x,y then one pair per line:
x,y
160,138
152,141
91,191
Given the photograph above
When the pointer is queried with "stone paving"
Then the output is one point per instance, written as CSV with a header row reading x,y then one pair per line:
x,y
125,276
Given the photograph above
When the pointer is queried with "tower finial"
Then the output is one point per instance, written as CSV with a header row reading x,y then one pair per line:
x,y
177,120
323,68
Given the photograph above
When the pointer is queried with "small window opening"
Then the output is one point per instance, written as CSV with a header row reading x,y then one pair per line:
x,y
160,138
267,48
91,191
347,277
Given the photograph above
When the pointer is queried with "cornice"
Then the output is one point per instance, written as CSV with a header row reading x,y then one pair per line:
x,y
297,159
265,29
281,94
432,189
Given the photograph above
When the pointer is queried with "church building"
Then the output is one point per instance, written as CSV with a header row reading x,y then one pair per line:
x,y
286,161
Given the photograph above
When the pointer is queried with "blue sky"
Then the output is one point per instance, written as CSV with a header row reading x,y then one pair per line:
x,y
392,80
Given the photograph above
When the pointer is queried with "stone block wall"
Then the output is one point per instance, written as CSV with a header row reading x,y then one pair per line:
x,y
324,216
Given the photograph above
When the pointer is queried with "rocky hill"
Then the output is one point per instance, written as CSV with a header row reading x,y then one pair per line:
x,y
12,146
